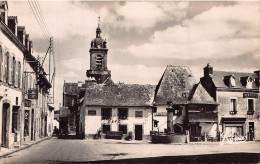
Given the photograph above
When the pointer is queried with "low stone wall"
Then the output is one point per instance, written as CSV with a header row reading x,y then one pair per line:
x,y
169,138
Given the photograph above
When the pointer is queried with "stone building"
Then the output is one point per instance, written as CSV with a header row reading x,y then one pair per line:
x,y
23,85
117,107
182,104
98,59
237,94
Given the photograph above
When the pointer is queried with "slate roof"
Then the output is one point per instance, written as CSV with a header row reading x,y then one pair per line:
x,y
175,85
199,95
218,79
119,95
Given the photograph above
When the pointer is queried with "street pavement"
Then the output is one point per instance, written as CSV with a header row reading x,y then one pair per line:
x,y
60,150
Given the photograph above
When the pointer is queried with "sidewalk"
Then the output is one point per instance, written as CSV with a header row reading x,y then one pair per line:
x,y
5,151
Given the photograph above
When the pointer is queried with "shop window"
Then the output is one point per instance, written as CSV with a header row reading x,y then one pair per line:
x,y
106,113
91,112
26,123
138,114
250,106
105,128
123,128
122,113
233,106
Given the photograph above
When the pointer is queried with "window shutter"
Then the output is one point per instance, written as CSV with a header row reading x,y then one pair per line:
x,y
5,75
16,74
10,70
13,71
1,64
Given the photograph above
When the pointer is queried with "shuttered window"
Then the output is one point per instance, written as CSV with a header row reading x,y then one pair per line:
x,y
13,71
10,70
19,75
6,67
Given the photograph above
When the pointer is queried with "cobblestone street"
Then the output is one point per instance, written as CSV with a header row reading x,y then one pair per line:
x,y
56,150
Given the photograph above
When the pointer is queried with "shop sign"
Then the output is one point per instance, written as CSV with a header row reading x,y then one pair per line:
x,y
161,114
250,95
33,94
27,103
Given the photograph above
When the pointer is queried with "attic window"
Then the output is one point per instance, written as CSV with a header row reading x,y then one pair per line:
x,y
249,82
232,82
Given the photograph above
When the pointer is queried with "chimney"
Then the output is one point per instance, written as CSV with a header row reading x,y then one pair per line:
x,y
21,34
12,24
3,11
208,70
257,72
31,47
27,41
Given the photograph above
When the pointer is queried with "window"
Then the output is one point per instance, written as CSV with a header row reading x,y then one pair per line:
x,y
139,114
91,112
123,128
15,119
249,82
105,128
250,105
106,113
233,106
122,113
232,82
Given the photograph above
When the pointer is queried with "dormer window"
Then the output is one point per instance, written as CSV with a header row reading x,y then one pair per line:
x,y
249,82
232,81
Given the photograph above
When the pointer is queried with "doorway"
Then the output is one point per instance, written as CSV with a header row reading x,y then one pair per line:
x,y
32,125
138,132
5,111
251,131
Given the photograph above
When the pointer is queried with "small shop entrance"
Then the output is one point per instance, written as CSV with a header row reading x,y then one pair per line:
x,y
138,132
5,126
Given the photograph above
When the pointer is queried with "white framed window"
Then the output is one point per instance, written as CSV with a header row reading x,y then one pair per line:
x,y
250,106
233,106
249,82
232,81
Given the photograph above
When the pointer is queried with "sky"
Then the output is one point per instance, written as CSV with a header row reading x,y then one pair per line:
x,y
144,37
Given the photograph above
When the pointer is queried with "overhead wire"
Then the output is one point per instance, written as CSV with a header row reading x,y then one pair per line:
x,y
45,35
42,17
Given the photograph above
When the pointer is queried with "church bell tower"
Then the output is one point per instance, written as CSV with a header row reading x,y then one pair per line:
x,y
98,58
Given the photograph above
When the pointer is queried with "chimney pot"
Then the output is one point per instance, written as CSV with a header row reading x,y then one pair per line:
x,y
21,34
3,12
208,70
12,24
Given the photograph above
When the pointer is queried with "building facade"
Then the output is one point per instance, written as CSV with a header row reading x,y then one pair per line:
x,y
23,85
118,107
237,94
183,105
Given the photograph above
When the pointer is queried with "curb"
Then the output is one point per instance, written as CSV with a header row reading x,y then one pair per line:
x,y
25,147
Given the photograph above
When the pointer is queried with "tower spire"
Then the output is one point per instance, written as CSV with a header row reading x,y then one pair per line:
x,y
98,31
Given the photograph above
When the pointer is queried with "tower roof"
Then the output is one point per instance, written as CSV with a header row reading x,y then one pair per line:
x,y
98,42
